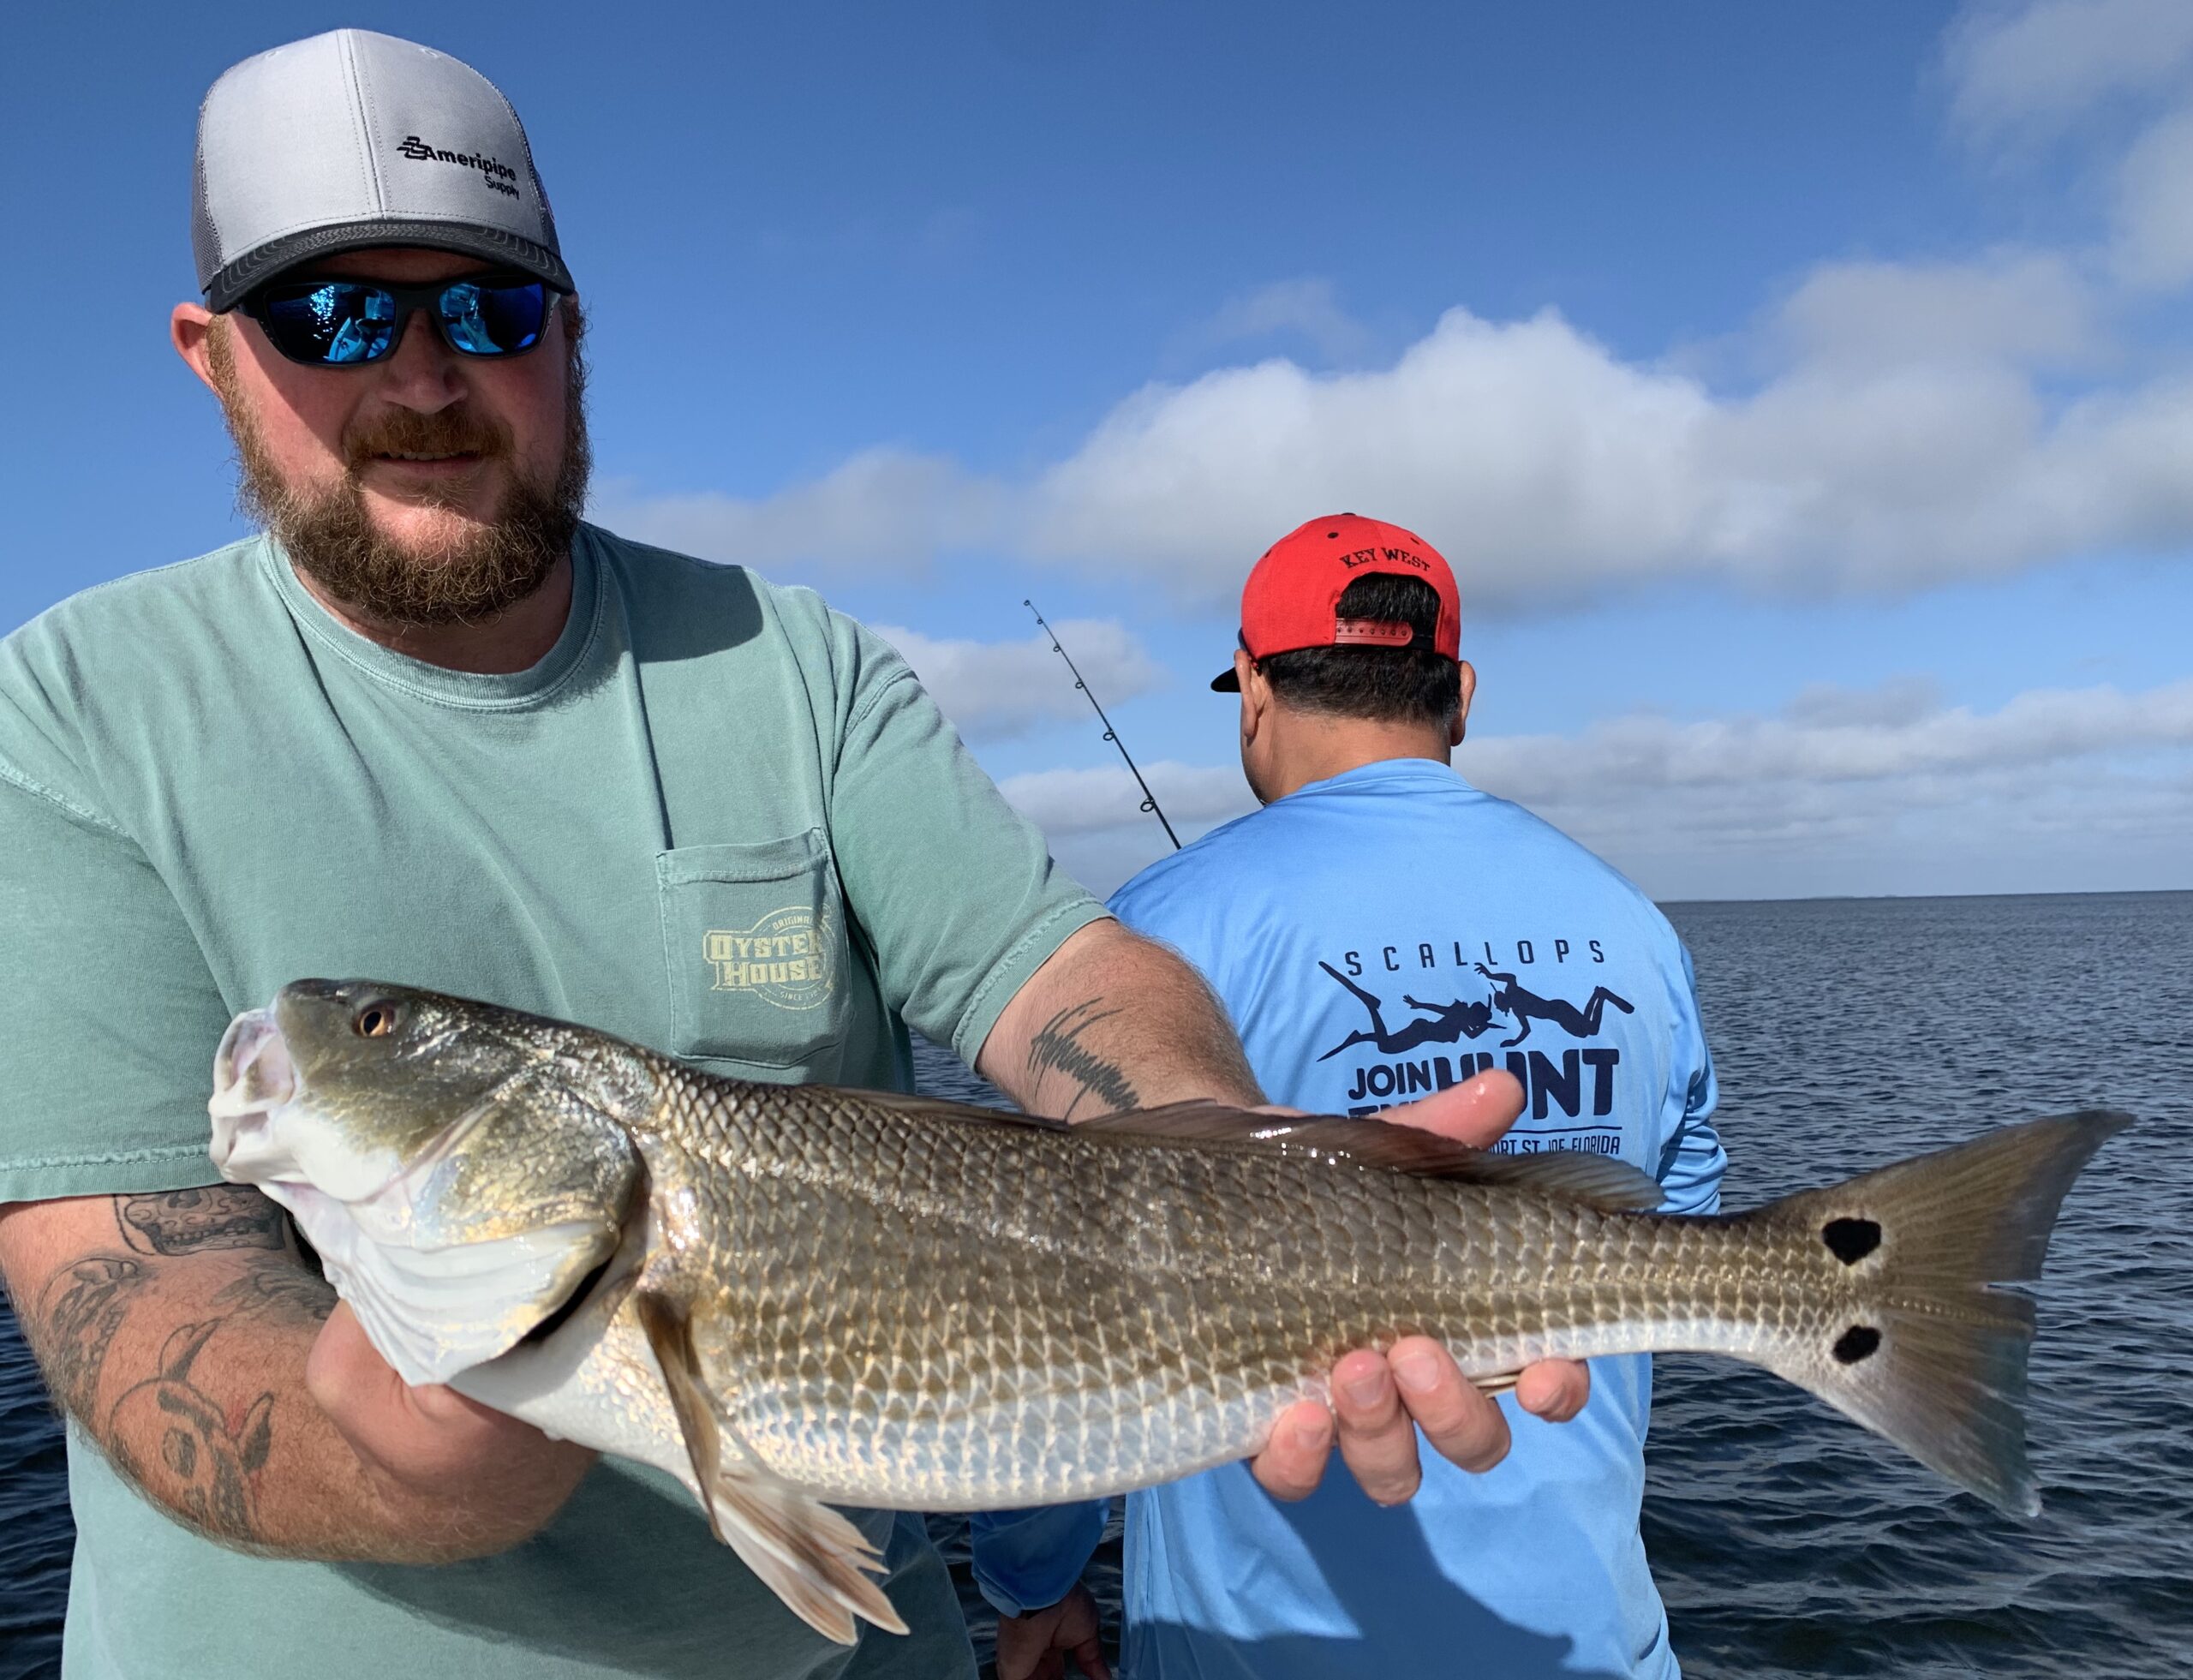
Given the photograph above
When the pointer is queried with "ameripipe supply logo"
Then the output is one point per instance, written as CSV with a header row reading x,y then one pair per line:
x,y
497,173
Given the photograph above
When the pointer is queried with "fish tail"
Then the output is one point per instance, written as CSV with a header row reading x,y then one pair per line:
x,y
1927,1354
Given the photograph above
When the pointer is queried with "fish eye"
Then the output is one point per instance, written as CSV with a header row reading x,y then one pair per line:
x,y
375,1020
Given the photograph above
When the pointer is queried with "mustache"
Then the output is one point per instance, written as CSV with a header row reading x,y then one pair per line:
x,y
457,431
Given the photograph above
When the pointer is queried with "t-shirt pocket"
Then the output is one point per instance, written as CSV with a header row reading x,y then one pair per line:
x,y
755,938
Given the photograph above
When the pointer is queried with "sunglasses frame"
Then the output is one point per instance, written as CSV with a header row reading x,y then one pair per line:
x,y
409,301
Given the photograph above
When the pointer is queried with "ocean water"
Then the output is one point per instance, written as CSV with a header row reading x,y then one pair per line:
x,y
1788,1542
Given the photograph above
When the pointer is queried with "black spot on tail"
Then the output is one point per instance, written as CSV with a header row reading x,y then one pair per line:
x,y
1851,1240
1857,1342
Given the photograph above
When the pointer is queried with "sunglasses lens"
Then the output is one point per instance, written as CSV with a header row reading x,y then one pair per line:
x,y
334,321
494,318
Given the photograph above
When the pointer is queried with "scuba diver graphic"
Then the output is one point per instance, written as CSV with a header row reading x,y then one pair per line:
x,y
1450,1023
1522,1005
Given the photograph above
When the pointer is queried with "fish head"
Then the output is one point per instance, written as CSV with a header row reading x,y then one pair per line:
x,y
461,1169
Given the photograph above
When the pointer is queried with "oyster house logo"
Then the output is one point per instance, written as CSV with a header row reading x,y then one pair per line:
x,y
784,959
499,175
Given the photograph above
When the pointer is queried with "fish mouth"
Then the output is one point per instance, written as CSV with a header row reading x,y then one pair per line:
x,y
254,1075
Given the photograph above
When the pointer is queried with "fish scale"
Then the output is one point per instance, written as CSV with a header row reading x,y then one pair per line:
x,y
789,1295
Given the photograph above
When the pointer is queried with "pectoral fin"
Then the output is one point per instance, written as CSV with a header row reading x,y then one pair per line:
x,y
669,1333
809,1555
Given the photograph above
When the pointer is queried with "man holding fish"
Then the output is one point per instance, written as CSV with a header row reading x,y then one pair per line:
x,y
434,728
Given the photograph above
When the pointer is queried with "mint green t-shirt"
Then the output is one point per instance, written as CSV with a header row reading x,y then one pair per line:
x,y
717,818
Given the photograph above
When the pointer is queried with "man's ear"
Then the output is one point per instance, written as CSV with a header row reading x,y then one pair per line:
x,y
190,330
1467,675
1256,694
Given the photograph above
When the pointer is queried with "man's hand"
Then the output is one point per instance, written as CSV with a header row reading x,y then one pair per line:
x,y
1380,1400
1034,1647
488,1480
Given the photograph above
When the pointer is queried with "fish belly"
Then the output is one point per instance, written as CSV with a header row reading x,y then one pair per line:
x,y
594,1381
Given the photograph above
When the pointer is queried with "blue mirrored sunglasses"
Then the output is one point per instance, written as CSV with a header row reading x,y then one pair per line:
x,y
336,323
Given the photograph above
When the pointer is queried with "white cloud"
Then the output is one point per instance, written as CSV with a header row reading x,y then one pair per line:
x,y
1554,457
1307,307
2155,204
994,690
1913,429
1078,802
2042,64
885,507
1829,736
2031,308
2039,71
1907,441
1874,790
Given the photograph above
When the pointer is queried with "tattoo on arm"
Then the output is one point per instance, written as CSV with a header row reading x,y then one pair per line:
x,y
190,1221
185,1450
283,1291
178,1444
1058,1048
82,1305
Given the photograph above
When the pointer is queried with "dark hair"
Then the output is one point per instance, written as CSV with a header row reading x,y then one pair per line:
x,y
1411,685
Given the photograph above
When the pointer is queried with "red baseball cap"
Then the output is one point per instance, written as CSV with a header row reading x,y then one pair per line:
x,y
1292,595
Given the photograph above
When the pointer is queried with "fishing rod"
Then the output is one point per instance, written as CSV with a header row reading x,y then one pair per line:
x,y
1149,799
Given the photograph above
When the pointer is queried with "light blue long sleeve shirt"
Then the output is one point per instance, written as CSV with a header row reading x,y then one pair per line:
x,y
1374,937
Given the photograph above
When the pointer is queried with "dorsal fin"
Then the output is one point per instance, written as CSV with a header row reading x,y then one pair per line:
x,y
944,1107
1598,1179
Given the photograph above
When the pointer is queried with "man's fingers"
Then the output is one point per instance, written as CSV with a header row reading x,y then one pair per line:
x,y
1476,1112
1462,1423
1380,1402
1376,1435
1293,1460
1555,1390
1090,1654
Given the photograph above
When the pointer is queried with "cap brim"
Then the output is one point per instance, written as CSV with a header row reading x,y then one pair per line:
x,y
1226,682
232,282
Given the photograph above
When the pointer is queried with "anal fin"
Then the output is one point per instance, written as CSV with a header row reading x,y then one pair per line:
x,y
809,1555
1501,1383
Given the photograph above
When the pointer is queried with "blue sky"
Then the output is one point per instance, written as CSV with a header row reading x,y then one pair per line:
x,y
1802,392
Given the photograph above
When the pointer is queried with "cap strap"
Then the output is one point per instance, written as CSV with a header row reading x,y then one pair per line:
x,y
1371,633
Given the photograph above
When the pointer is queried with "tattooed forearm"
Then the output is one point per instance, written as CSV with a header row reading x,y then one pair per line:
x,y
191,1222
123,1339
1057,1048
73,1324
280,1288
1114,1022
179,1331
186,1451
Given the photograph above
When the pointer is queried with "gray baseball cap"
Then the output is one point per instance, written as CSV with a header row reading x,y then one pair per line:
x,y
350,139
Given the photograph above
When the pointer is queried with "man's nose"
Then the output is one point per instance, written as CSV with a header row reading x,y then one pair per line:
x,y
421,373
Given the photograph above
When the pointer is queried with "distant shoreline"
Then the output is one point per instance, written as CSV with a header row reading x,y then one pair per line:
x,y
1923,897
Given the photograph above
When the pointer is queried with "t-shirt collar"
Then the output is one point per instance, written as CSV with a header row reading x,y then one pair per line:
x,y
1420,772
480,690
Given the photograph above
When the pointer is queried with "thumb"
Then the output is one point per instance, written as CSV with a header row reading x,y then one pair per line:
x,y
1476,1112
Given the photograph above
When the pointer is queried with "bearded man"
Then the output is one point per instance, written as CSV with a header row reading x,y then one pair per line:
x,y
432,728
